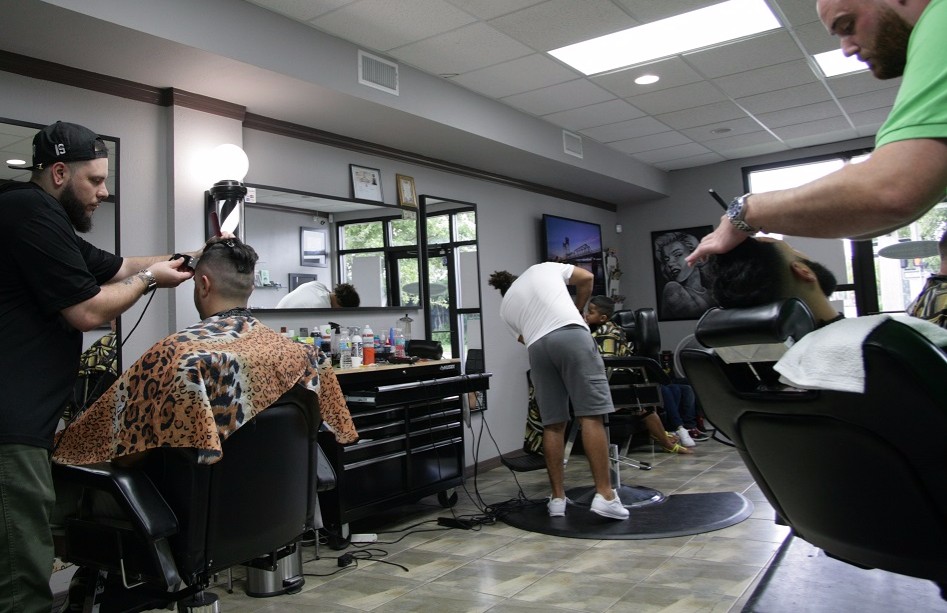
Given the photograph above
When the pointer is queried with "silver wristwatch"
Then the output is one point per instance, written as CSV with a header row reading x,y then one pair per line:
x,y
737,211
150,279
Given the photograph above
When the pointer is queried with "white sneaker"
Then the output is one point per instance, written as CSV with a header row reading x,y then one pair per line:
x,y
684,437
557,506
609,508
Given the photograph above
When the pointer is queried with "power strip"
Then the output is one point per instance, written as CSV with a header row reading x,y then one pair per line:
x,y
453,522
363,538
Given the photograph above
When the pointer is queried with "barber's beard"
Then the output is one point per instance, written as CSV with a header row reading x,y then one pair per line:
x,y
825,277
891,46
75,209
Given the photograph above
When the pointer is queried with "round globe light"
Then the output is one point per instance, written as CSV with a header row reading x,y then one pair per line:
x,y
229,162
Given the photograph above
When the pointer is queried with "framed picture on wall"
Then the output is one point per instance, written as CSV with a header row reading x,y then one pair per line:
x,y
682,292
314,247
407,195
366,183
298,278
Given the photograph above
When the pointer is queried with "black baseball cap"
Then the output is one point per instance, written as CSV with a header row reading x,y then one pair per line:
x,y
65,142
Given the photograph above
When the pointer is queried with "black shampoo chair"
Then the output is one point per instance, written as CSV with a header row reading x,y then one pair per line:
x,y
847,472
172,523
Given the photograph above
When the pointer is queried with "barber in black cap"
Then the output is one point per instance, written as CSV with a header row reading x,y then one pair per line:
x,y
55,286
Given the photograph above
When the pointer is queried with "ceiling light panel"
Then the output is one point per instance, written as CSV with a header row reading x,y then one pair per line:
x,y
706,27
834,63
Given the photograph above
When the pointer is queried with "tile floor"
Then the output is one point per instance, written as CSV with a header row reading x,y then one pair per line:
x,y
501,569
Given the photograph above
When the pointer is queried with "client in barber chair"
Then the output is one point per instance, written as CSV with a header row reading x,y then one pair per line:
x,y
207,379
764,270
611,341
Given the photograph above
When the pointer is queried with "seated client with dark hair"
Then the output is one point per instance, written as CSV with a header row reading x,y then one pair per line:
x,y
197,386
763,270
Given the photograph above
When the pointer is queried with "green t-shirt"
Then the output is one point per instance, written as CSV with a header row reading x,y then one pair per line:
x,y
920,110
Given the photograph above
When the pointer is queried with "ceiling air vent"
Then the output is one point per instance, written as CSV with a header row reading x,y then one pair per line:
x,y
572,143
375,72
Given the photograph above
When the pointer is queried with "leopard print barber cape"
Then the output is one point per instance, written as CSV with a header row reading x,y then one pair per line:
x,y
197,387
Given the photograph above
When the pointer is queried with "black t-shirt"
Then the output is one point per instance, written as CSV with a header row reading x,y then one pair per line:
x,y
47,268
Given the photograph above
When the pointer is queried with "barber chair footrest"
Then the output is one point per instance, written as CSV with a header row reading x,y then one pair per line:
x,y
286,578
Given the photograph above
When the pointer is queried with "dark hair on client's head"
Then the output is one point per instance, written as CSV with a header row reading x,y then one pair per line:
x,y
603,304
230,262
346,295
752,273
502,280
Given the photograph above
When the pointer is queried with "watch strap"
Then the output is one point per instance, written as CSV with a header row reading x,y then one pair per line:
x,y
151,282
736,213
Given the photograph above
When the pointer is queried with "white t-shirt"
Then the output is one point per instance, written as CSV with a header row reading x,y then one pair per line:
x,y
310,295
538,302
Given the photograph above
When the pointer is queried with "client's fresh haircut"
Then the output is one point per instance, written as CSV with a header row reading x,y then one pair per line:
x,y
502,280
603,304
230,263
752,273
346,295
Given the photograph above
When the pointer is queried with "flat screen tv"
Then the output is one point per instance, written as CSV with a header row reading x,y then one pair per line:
x,y
572,241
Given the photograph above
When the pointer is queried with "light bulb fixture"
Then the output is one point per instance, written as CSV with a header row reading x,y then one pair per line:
x,y
223,202
647,79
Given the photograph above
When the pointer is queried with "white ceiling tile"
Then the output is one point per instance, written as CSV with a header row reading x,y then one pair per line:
x,y
559,97
557,23
387,24
781,99
881,99
671,153
594,115
704,159
633,128
832,125
737,146
673,72
873,119
815,39
489,9
520,75
467,48
702,115
770,78
647,11
798,12
301,10
743,125
678,98
859,83
652,141
800,114
768,49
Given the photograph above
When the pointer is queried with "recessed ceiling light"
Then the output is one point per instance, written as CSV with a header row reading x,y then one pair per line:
x,y
704,27
16,162
834,63
647,79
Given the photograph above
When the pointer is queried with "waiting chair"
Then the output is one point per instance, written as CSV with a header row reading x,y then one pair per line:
x,y
847,472
171,523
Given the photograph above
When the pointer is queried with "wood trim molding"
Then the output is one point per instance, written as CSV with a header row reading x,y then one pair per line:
x,y
68,75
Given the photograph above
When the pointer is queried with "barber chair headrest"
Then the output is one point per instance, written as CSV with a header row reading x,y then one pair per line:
x,y
626,321
647,333
777,322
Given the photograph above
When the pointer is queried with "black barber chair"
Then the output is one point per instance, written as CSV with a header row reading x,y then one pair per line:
x,y
169,523
847,472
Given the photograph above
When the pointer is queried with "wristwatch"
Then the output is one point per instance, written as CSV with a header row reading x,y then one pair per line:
x,y
737,211
149,278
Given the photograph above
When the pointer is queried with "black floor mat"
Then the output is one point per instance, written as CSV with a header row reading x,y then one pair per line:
x,y
676,515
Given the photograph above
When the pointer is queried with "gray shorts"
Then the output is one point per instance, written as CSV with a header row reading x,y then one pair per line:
x,y
566,365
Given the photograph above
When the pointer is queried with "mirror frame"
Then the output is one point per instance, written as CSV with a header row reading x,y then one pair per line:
x,y
367,205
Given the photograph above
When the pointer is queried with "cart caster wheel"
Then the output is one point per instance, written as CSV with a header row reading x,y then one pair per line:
x,y
447,500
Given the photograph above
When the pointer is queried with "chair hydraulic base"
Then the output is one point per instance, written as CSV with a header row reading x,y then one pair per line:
x,y
630,496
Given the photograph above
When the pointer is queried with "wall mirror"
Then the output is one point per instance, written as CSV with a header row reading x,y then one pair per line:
x,y
301,237
16,143
450,273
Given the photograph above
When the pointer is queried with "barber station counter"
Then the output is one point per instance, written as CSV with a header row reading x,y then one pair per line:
x,y
410,420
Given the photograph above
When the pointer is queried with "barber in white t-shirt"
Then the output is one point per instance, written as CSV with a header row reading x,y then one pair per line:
x,y
565,365
315,295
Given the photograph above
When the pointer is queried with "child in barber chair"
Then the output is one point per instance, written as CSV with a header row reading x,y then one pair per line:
x,y
611,341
